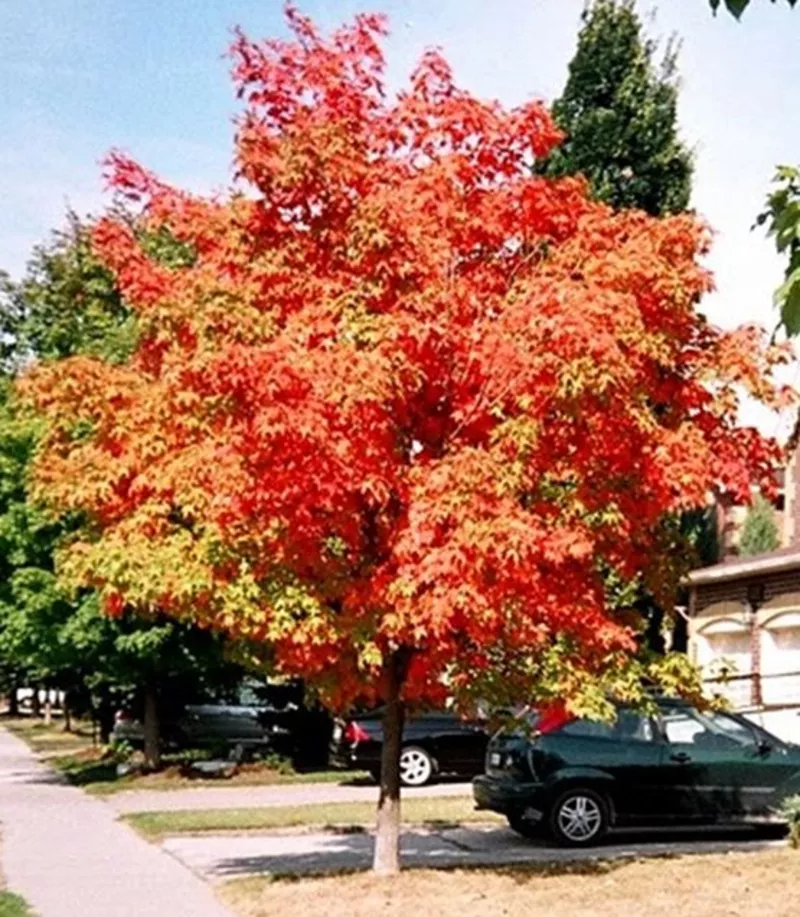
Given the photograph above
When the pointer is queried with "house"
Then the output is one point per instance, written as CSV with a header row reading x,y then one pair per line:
x,y
744,624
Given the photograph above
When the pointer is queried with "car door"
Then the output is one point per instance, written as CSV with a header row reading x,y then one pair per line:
x,y
227,720
624,757
242,720
459,744
717,767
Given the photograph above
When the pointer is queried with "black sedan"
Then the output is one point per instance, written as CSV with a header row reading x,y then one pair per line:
x,y
574,779
434,744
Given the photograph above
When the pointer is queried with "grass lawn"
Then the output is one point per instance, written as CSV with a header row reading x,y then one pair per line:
x,y
49,740
732,885
12,905
85,764
433,812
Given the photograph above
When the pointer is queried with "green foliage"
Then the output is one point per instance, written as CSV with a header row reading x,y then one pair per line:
x,y
782,219
699,527
618,111
737,7
790,810
67,303
760,532
12,905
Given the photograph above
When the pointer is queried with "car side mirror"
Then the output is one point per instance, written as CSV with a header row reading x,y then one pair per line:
x,y
763,747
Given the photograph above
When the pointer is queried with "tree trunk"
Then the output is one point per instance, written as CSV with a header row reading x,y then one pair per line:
x,y
386,859
152,739
36,702
67,716
13,700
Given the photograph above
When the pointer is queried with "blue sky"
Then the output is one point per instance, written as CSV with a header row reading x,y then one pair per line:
x,y
149,76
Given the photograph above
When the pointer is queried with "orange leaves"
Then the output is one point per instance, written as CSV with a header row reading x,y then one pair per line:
x,y
397,390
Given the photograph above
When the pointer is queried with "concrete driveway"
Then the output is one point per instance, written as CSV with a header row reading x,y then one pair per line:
x,y
220,858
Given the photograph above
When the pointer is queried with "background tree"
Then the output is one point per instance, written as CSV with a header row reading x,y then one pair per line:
x,y
618,114
406,405
68,303
760,532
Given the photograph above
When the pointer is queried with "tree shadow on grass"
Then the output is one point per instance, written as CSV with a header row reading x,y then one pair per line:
x,y
500,852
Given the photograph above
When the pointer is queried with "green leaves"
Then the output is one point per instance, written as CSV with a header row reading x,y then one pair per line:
x,y
737,7
782,219
67,303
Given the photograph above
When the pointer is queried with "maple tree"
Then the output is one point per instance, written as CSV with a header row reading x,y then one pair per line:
x,y
402,409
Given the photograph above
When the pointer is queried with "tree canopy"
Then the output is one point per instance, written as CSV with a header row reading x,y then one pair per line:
x,y
618,114
404,404
760,532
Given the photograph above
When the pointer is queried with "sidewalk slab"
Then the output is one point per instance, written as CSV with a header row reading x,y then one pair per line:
x,y
66,854
250,797
228,857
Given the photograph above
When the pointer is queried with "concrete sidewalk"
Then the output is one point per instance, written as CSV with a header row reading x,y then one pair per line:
x,y
248,797
67,856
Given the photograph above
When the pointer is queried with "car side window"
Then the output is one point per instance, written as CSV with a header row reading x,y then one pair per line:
x,y
687,726
633,726
628,726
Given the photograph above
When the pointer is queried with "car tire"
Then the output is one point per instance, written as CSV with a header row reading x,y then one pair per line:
x,y
524,826
417,767
578,818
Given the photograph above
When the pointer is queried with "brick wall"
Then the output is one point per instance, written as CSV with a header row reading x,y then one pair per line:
x,y
775,585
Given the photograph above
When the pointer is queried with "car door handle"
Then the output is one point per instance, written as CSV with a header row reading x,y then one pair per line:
x,y
681,757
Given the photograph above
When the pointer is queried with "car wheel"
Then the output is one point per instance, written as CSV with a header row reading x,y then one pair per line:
x,y
416,766
524,826
579,818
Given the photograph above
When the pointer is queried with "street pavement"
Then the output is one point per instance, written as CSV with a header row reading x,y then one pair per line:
x,y
68,856
249,797
221,858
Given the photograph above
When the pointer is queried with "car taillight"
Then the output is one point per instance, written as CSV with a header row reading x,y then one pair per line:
x,y
355,733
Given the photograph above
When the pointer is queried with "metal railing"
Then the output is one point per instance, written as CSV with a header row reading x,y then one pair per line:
x,y
755,689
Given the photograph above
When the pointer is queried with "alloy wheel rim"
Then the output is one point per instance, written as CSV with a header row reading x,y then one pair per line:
x,y
579,818
414,767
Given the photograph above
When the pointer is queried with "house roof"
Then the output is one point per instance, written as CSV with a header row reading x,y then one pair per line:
x,y
738,567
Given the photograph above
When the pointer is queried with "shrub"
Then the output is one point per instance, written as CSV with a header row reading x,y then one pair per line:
x,y
790,810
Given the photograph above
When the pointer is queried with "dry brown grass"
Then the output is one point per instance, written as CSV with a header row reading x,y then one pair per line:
x,y
731,885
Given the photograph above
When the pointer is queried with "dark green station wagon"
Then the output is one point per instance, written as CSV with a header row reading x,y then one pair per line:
x,y
577,778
